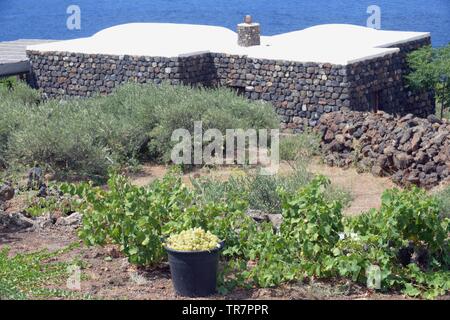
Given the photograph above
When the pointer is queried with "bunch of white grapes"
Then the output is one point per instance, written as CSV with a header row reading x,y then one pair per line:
x,y
195,239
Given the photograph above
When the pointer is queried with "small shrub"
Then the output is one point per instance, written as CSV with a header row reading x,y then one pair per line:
x,y
19,92
300,147
52,203
258,191
14,106
443,198
312,221
210,190
308,233
263,194
336,193
130,216
61,137
217,108
405,216
7,83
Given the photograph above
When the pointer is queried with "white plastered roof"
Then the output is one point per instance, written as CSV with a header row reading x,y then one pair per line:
x,y
331,43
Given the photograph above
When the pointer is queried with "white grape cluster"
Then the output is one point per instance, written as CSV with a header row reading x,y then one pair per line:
x,y
193,240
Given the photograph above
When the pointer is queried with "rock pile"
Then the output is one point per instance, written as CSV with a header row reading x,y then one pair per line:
x,y
13,222
409,149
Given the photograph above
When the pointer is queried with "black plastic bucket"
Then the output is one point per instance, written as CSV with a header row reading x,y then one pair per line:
x,y
194,273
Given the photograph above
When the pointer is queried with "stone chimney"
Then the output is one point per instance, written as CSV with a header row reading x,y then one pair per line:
x,y
249,33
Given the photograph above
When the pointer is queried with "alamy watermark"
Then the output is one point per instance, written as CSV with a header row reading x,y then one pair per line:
x,y
374,20
74,20
74,280
235,146
373,274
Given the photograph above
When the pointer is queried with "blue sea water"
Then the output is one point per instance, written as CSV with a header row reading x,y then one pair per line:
x,y
47,18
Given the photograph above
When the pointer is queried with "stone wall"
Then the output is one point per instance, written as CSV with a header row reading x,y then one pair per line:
x,y
61,74
383,79
409,149
300,92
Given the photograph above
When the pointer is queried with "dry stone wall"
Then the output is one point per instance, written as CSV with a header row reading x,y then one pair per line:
x,y
409,149
383,79
61,74
300,92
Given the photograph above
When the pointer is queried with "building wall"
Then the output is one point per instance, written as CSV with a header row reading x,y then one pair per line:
x,y
61,74
384,77
300,92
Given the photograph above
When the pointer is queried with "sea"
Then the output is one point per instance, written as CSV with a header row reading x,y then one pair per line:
x,y
48,19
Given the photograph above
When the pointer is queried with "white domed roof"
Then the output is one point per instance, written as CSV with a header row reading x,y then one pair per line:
x,y
332,43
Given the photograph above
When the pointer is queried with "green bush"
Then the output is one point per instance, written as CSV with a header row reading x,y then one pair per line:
x,y
262,190
216,108
87,136
265,257
430,70
7,83
129,216
60,137
213,190
312,222
52,203
20,93
407,216
14,107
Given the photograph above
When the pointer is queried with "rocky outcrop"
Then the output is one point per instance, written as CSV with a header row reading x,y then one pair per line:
x,y
409,149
